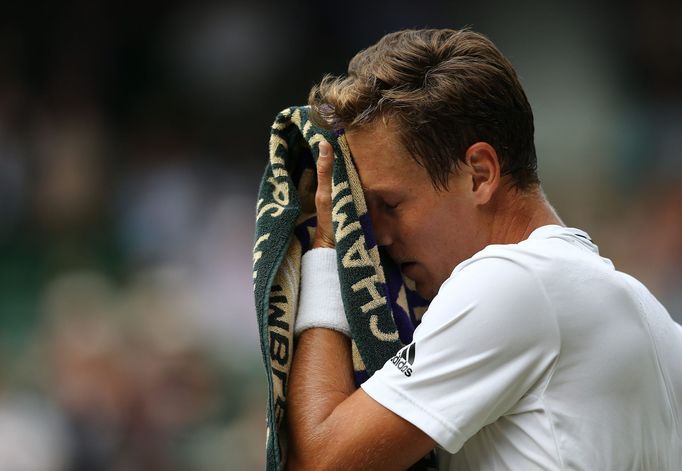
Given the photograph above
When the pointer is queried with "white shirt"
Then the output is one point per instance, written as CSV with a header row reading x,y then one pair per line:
x,y
540,355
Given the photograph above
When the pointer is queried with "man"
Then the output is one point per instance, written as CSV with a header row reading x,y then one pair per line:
x,y
535,353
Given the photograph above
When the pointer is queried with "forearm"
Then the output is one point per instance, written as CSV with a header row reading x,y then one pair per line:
x,y
321,378
330,424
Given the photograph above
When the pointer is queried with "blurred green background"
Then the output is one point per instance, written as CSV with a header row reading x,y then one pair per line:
x,y
132,137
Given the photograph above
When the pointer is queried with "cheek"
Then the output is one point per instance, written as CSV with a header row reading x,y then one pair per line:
x,y
418,230
432,234
428,218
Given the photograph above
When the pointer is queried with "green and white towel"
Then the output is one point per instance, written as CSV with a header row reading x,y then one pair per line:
x,y
381,306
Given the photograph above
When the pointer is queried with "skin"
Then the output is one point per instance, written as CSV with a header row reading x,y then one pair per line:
x,y
427,231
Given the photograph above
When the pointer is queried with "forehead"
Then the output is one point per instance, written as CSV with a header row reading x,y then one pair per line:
x,y
382,160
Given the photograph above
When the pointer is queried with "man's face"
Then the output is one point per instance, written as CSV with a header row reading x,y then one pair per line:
x,y
428,232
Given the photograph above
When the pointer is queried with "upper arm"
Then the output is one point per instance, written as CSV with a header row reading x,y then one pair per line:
x,y
362,434
488,337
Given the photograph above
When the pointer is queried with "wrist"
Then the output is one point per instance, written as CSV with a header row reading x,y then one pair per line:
x,y
322,242
320,303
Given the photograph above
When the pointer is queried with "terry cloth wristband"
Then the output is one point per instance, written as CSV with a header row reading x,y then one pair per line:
x,y
320,303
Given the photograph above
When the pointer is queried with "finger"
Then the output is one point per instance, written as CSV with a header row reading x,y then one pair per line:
x,y
324,167
323,196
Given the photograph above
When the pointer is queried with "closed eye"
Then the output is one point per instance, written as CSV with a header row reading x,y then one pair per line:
x,y
387,201
390,204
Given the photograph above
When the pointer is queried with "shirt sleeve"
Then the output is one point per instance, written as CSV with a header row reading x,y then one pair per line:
x,y
488,336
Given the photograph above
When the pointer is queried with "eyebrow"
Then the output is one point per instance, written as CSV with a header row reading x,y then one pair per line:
x,y
383,193
372,192
380,190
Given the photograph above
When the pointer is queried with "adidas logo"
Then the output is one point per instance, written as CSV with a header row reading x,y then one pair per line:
x,y
404,359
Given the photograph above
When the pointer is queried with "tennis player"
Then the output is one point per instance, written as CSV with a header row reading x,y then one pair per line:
x,y
535,353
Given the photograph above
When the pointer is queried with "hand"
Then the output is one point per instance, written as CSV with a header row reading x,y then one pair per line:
x,y
324,235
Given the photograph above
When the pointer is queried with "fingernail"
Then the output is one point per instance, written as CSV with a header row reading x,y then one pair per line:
x,y
324,149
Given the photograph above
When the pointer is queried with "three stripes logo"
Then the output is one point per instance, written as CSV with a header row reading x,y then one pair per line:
x,y
404,359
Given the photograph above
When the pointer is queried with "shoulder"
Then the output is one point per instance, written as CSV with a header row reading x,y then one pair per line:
x,y
496,296
514,273
506,273
531,255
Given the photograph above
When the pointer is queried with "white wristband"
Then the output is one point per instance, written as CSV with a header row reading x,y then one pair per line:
x,y
320,303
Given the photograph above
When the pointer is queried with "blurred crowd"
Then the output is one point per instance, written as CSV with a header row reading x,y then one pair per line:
x,y
132,137
127,334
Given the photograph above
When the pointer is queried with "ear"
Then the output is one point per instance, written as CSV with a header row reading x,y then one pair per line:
x,y
484,171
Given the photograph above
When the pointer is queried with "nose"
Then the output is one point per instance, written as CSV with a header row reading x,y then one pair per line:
x,y
382,228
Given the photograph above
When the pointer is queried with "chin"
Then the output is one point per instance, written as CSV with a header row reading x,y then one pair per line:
x,y
426,291
421,280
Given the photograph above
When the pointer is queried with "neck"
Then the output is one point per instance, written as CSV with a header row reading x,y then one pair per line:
x,y
518,214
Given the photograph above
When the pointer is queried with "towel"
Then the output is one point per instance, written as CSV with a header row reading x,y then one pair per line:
x,y
381,306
